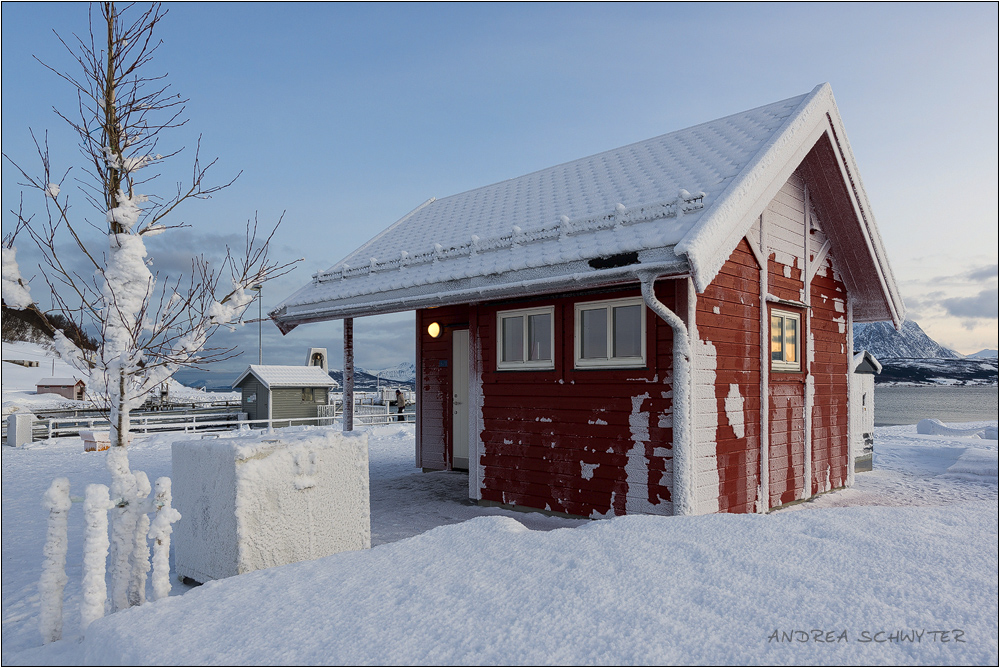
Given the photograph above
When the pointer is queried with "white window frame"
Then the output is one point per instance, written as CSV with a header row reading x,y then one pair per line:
x,y
782,364
524,363
610,361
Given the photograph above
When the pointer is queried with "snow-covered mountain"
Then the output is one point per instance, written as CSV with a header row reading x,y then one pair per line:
x,y
404,371
883,341
985,354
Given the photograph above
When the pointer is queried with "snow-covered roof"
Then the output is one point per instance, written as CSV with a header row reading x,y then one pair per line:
x,y
59,382
671,205
272,376
864,362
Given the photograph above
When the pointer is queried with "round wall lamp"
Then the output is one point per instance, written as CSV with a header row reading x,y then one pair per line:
x,y
434,330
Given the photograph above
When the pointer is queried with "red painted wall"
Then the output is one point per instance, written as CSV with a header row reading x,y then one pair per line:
x,y
735,333
830,425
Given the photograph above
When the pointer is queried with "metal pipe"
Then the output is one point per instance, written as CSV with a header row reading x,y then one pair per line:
x,y
683,483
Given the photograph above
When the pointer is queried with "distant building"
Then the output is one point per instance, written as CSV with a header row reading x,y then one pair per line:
x,y
71,388
273,392
863,417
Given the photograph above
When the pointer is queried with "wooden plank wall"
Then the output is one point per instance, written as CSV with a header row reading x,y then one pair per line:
x,y
728,315
785,230
830,419
561,440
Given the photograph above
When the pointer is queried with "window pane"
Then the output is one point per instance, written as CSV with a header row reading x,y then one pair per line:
x,y
513,339
628,331
594,334
539,337
776,326
791,339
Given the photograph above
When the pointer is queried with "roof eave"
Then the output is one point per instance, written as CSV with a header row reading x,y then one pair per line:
x,y
573,276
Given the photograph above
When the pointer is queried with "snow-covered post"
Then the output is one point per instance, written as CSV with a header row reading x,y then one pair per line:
x,y
140,550
53,580
95,554
123,520
159,531
348,417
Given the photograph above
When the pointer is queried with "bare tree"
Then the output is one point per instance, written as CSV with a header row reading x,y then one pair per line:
x,y
148,326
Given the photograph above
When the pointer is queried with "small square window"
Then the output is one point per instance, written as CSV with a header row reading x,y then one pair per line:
x,y
307,394
525,339
786,345
611,333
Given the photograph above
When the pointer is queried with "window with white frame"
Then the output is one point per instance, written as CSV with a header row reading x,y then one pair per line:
x,y
526,338
786,344
610,333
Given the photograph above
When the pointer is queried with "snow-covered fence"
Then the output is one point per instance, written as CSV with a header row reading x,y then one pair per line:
x,y
130,560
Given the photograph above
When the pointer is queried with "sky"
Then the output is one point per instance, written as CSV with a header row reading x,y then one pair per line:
x,y
342,118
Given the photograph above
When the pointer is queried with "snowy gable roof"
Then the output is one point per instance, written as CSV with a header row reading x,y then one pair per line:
x,y
272,376
672,204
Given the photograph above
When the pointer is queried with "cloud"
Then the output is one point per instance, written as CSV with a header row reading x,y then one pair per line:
x,y
983,305
989,272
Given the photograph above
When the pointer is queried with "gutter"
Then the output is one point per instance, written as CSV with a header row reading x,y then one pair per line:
x,y
683,486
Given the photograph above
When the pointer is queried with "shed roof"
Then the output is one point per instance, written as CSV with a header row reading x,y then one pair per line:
x,y
59,382
673,204
272,376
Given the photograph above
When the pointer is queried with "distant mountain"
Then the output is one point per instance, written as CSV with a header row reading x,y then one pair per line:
x,y
883,341
985,354
974,372
406,371
366,382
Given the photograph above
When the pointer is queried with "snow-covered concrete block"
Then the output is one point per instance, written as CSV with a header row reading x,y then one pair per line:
x,y
19,429
255,500
95,441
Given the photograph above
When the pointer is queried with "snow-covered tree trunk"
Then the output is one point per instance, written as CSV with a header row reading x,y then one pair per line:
x,y
53,580
124,516
160,531
95,554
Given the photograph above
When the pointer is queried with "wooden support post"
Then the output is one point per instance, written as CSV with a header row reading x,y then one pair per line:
x,y
348,374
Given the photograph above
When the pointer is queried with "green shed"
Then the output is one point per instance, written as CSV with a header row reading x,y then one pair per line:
x,y
273,392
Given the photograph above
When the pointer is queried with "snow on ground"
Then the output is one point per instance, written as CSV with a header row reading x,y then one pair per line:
x,y
912,547
19,382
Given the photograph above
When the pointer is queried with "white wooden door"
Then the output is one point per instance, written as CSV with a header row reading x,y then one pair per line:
x,y
460,399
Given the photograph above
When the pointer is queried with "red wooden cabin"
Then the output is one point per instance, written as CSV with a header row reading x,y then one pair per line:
x,y
596,338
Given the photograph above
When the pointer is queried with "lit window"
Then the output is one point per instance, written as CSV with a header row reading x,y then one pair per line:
x,y
786,346
525,339
611,333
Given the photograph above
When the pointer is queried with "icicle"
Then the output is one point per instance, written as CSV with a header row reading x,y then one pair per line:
x,y
160,531
53,580
95,554
140,548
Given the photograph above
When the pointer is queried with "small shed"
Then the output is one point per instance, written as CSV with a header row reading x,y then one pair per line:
x,y
863,399
273,392
71,388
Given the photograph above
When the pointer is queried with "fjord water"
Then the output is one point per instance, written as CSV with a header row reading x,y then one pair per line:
x,y
909,405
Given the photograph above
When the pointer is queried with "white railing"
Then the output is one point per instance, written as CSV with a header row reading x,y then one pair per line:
x,y
140,424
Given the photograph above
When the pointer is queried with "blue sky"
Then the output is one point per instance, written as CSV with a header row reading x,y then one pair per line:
x,y
347,116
